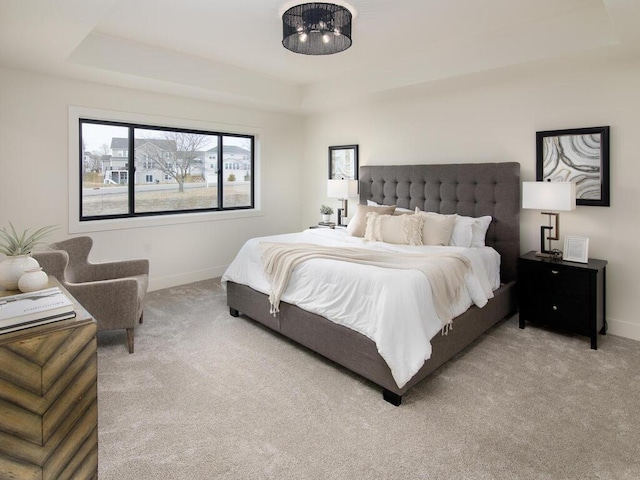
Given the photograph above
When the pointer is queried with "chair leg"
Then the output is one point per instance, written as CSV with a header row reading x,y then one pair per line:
x,y
141,317
130,339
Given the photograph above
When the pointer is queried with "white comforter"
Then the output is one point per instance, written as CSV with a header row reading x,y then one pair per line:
x,y
391,307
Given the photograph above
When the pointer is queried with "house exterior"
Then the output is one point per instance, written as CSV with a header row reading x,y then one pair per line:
x,y
149,153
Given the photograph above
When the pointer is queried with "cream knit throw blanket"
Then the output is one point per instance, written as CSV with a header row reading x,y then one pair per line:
x,y
445,272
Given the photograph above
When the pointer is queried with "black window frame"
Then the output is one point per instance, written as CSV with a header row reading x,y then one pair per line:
x,y
131,170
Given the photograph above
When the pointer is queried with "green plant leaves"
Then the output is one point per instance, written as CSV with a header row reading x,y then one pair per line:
x,y
13,243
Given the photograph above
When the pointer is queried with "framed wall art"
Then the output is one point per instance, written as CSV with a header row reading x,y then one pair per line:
x,y
579,155
343,162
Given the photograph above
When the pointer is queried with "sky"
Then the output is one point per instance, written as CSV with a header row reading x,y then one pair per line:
x,y
94,136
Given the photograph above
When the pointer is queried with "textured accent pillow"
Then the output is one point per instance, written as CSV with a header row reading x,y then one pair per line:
x,y
437,227
358,223
398,229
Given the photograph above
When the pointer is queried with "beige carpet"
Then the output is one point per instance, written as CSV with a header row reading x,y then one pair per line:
x,y
208,396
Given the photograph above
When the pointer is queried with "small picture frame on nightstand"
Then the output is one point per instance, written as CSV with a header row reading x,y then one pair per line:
x,y
576,249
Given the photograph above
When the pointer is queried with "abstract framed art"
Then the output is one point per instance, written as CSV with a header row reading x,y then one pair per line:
x,y
343,162
579,155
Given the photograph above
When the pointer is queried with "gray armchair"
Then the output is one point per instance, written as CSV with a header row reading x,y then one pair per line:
x,y
113,293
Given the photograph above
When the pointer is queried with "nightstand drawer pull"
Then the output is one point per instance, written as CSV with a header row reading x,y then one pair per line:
x,y
555,272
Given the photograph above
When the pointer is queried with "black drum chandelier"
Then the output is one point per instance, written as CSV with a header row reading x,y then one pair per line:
x,y
316,29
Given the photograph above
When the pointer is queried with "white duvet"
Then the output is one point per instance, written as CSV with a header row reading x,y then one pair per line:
x,y
391,307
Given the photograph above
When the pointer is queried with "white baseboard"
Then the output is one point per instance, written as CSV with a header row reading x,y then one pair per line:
x,y
158,283
623,329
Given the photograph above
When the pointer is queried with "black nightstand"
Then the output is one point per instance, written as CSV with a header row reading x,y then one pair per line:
x,y
327,225
566,295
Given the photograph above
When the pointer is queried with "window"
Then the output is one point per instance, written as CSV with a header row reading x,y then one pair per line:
x,y
146,170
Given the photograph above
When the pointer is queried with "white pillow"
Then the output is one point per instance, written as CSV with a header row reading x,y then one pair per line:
x,y
462,232
437,228
479,229
398,210
397,229
470,231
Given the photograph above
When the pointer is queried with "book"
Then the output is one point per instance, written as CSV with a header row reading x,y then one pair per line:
x,y
34,308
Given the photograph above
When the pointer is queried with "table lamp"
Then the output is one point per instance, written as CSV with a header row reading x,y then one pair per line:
x,y
342,190
549,197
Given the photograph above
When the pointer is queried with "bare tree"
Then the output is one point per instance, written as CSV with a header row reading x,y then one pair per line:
x,y
97,155
175,153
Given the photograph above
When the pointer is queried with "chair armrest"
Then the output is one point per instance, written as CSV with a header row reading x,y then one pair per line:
x,y
115,270
113,303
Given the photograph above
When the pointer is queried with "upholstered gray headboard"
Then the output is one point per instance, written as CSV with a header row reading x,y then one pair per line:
x,y
474,190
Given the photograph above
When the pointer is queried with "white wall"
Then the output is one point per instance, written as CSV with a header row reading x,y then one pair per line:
x,y
494,117
488,117
34,183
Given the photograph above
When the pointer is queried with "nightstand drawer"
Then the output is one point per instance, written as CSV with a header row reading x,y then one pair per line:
x,y
549,278
564,312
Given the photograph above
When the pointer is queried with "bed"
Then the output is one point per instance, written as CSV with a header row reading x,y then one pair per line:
x,y
472,190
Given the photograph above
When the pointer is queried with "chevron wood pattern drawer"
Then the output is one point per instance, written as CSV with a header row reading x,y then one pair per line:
x,y
48,401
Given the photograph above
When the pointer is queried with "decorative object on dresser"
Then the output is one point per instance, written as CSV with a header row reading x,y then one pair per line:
x,y
48,399
33,279
17,247
472,190
316,28
554,196
112,292
563,295
579,155
342,190
343,162
36,308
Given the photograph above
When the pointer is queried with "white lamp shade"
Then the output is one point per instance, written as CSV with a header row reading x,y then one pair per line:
x,y
558,196
342,188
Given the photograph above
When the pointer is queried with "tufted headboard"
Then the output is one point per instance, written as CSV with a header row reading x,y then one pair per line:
x,y
472,189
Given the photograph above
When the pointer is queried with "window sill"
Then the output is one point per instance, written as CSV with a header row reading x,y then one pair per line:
x,y
160,220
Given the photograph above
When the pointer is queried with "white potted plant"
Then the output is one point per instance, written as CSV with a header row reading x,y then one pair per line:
x,y
17,247
326,212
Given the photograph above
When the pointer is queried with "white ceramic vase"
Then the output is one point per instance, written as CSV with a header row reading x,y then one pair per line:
x,y
12,268
326,218
33,279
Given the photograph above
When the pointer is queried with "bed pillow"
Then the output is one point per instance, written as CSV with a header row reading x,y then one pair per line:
x,y
479,231
437,228
470,231
462,232
398,229
397,211
358,223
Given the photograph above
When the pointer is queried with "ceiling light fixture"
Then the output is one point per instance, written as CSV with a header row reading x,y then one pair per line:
x,y
316,29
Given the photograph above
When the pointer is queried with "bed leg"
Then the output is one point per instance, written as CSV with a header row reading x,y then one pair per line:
x,y
233,312
392,398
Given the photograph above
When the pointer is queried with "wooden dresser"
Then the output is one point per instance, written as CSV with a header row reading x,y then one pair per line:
x,y
49,400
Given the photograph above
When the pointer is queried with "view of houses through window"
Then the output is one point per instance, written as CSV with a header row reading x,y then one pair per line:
x,y
131,170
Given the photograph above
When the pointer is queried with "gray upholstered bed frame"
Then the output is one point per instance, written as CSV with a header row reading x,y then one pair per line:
x,y
467,189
